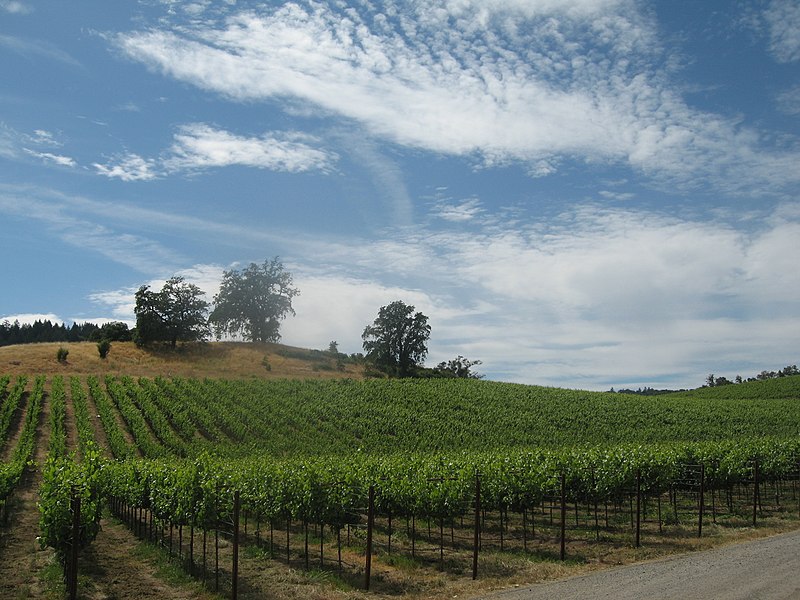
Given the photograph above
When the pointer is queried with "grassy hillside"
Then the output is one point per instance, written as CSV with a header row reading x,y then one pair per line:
x,y
216,359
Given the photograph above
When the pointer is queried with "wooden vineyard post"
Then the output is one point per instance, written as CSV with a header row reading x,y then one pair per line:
x,y
370,524
755,492
477,539
235,571
638,506
702,500
563,553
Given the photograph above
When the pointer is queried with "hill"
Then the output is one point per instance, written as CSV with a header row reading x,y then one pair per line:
x,y
230,360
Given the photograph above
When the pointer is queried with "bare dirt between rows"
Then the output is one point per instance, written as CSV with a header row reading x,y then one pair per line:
x,y
111,570
765,569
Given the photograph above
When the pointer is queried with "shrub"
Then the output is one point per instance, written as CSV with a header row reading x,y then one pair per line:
x,y
61,354
103,346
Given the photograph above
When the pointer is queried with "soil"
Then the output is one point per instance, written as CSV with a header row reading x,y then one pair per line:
x,y
111,569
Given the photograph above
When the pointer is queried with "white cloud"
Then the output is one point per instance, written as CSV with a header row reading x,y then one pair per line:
x,y
13,142
782,18
459,212
8,142
387,177
130,167
789,101
619,196
33,49
16,8
338,308
31,318
527,81
44,138
119,303
199,146
63,161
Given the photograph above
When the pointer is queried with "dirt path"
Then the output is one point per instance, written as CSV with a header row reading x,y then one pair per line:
x,y
765,569
112,568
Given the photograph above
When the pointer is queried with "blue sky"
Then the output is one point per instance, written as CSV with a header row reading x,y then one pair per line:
x,y
583,194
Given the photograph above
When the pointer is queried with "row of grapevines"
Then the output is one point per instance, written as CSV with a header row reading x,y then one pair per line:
x,y
27,441
332,490
199,415
4,380
11,472
10,406
120,448
83,422
62,480
176,412
136,423
58,414
142,397
224,411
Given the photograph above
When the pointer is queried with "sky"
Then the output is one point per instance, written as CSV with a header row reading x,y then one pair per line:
x,y
585,194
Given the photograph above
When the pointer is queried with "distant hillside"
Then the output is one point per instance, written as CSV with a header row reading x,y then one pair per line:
x,y
230,360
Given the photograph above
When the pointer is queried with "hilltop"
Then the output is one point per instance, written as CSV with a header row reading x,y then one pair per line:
x,y
230,360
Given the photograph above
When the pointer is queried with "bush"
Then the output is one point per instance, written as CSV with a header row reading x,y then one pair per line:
x,y
103,346
61,354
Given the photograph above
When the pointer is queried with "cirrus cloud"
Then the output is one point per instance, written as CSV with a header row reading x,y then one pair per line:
x,y
586,81
199,146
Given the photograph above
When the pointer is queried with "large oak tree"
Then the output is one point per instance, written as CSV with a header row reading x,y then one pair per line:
x,y
176,313
396,342
253,302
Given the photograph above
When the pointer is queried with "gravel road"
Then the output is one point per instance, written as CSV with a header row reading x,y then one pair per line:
x,y
767,569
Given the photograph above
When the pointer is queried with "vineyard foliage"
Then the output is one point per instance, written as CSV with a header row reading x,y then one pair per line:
x,y
11,471
287,418
310,450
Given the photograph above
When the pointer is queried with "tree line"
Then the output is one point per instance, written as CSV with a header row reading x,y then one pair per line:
x,y
44,330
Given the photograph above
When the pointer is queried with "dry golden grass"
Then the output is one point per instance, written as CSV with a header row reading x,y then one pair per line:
x,y
230,360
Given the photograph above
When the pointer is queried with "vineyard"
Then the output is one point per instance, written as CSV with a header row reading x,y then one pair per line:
x,y
444,475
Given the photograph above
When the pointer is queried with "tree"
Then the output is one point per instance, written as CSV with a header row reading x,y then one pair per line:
x,y
113,331
103,347
396,341
252,302
459,367
176,313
